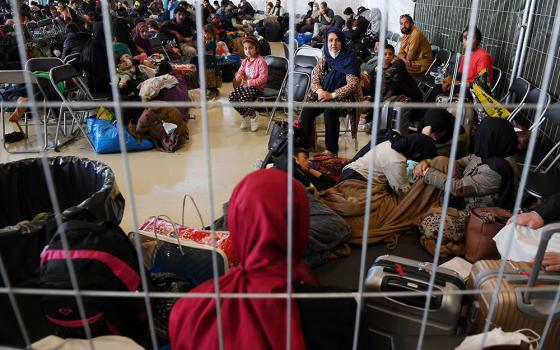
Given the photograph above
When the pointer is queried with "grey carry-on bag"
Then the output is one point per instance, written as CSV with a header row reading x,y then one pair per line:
x,y
401,315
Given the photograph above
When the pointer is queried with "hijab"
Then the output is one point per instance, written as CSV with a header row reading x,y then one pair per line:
x,y
415,146
441,122
344,63
143,43
257,223
495,140
121,31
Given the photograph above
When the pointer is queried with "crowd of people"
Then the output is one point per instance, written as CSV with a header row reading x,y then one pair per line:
x,y
409,169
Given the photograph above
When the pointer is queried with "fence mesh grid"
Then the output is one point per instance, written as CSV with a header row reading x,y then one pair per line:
x,y
442,22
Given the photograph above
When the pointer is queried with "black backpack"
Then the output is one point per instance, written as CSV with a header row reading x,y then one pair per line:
x,y
264,48
104,259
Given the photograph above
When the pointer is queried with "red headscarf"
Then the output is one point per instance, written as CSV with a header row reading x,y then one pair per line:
x,y
257,223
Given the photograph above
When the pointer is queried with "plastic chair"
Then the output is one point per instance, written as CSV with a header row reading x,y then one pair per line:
x,y
67,73
301,84
20,77
309,51
426,82
517,93
543,183
305,64
277,72
497,77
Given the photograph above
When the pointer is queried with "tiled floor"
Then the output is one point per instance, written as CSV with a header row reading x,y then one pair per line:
x,y
160,180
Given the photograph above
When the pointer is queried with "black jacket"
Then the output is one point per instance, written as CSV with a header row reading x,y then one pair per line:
x,y
75,42
550,209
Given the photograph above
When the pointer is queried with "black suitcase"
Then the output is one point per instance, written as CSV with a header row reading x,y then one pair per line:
x,y
228,70
402,315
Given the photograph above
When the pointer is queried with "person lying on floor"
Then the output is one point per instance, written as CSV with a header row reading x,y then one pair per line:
x,y
544,214
389,160
261,245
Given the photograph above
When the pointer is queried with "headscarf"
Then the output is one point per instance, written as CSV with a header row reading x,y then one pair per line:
x,y
143,43
416,146
441,122
121,31
98,33
344,63
257,223
495,140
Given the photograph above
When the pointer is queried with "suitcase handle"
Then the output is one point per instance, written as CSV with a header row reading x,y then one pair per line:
x,y
546,234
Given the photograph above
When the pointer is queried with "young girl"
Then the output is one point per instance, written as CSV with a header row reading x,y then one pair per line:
x,y
251,79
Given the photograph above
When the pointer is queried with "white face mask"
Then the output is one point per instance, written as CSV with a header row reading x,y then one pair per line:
x,y
56,52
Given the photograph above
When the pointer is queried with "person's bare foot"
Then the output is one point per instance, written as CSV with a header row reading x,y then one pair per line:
x,y
19,112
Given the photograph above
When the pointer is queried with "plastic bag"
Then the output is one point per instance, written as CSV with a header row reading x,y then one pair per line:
x,y
525,243
105,138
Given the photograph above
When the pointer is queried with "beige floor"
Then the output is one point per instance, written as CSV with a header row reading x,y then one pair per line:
x,y
160,180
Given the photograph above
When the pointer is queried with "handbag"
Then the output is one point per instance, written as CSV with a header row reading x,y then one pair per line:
x,y
183,251
483,225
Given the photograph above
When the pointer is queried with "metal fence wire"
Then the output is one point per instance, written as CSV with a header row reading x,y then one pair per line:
x,y
521,36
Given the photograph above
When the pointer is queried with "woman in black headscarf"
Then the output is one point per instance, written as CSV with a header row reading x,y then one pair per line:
x,y
438,123
335,78
489,176
94,61
122,34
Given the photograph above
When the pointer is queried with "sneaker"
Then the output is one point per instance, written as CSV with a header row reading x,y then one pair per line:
x,y
255,123
244,123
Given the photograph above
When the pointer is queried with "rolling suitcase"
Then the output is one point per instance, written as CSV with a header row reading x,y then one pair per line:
x,y
516,308
402,315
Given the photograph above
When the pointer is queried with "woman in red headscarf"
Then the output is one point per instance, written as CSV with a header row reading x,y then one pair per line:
x,y
261,244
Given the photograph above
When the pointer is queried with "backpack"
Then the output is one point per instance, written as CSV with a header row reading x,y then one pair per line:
x,y
264,48
104,259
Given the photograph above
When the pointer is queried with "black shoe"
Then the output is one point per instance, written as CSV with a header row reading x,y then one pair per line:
x,y
14,137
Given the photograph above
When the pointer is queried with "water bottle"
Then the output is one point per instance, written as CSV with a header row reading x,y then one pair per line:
x,y
440,74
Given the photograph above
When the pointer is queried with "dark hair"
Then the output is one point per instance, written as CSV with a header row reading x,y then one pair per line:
x,y
72,28
477,34
348,11
390,47
301,150
310,4
179,9
153,24
324,4
164,68
121,12
209,29
349,22
406,15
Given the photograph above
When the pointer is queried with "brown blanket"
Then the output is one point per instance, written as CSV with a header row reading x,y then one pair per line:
x,y
389,216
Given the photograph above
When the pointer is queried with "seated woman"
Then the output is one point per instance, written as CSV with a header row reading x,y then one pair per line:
x,y
261,246
480,60
75,40
122,34
489,175
335,78
141,38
